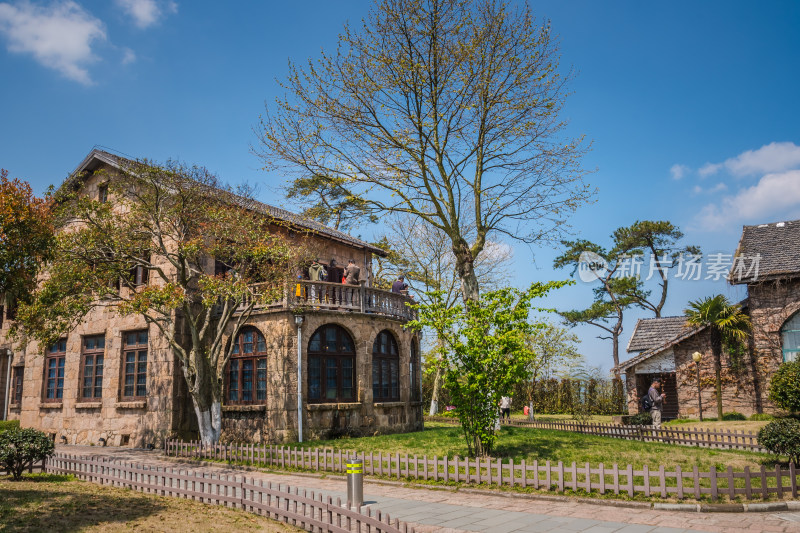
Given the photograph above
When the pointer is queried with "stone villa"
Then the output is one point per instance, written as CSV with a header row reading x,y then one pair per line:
x,y
663,347
115,381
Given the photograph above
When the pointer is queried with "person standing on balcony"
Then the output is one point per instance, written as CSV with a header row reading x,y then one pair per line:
x,y
352,273
351,277
316,272
400,286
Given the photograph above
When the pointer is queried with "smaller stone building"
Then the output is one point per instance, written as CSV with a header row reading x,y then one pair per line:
x,y
767,261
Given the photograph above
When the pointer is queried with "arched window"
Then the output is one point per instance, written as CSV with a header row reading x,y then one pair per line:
x,y
385,368
791,338
414,371
246,378
331,366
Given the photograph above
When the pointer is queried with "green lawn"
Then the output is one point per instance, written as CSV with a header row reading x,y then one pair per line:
x,y
542,445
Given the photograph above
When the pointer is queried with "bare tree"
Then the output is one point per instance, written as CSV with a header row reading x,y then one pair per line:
x,y
443,109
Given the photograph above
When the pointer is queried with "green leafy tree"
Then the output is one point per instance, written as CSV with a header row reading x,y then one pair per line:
x,y
443,109
727,323
151,251
26,237
21,448
782,437
488,353
784,387
611,298
325,199
424,256
657,239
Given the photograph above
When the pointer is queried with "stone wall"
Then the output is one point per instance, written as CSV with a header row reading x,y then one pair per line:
x,y
771,304
277,420
739,384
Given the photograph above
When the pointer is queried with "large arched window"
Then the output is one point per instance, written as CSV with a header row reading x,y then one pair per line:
x,y
246,378
790,333
331,366
385,368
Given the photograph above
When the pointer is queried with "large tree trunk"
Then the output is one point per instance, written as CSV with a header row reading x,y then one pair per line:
x,y
437,385
465,266
206,393
716,350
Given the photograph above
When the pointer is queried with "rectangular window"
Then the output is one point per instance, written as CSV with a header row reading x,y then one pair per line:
x,y
16,384
139,275
134,365
102,193
92,361
54,371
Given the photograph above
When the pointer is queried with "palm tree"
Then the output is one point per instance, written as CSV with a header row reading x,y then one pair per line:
x,y
727,322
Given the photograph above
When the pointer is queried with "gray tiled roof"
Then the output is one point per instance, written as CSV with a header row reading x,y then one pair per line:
x,y
684,334
272,211
777,244
652,332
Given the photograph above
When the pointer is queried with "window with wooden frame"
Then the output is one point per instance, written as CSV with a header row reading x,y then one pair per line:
x,y
92,360
18,375
246,375
102,193
139,274
331,366
134,365
55,359
385,368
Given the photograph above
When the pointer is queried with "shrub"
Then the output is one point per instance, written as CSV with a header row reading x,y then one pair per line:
x,y
20,448
782,437
761,416
642,419
733,415
784,389
8,424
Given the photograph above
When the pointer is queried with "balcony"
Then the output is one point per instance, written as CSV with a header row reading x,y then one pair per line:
x,y
322,295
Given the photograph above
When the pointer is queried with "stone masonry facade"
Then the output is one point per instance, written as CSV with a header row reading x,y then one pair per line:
x,y
167,411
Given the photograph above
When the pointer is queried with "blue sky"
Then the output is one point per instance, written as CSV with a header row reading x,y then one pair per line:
x,y
692,107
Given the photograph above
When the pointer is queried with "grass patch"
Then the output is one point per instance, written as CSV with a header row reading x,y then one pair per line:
x,y
44,502
543,445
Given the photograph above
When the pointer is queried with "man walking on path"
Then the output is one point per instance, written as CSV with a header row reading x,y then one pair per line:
x,y
657,402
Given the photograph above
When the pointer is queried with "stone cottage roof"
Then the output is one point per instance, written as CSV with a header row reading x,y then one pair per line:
x,y
96,157
683,334
652,332
777,244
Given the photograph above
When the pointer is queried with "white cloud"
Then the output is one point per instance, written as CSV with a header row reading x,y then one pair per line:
x,y
719,187
59,36
709,169
770,158
145,13
775,196
679,171
128,56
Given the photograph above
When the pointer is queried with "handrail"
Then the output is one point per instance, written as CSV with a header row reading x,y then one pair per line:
x,y
323,295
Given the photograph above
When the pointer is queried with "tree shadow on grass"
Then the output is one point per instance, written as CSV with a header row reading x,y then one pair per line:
x,y
72,506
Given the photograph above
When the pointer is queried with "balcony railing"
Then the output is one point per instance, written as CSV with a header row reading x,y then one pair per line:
x,y
321,295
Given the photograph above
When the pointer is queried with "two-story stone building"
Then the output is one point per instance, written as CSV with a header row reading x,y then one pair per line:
x,y
768,263
114,380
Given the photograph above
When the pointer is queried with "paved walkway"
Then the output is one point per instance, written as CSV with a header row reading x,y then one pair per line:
x,y
448,511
